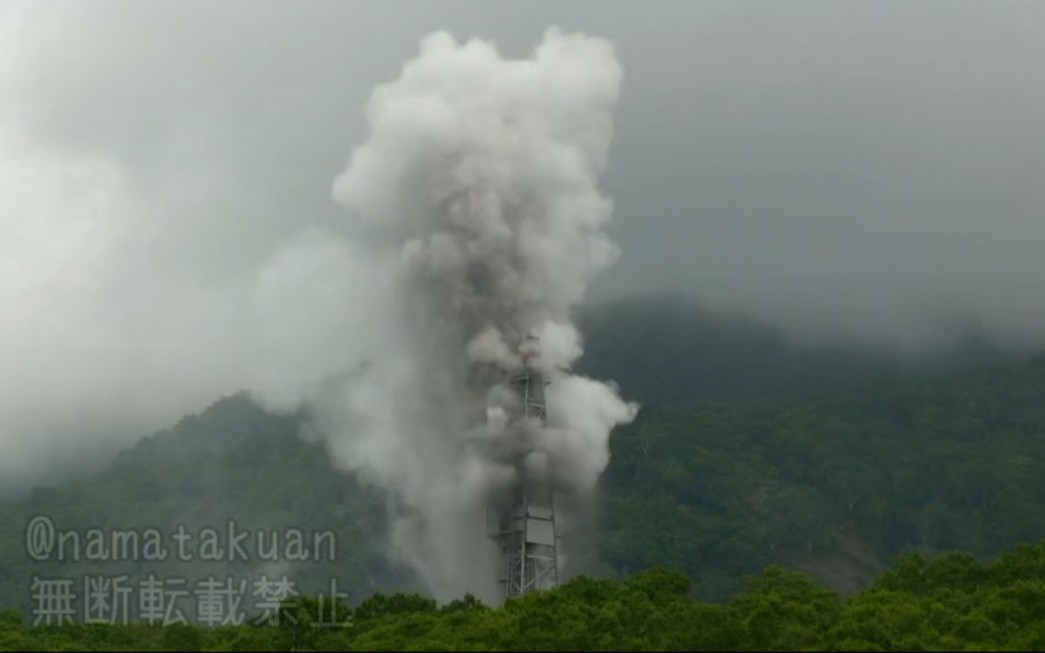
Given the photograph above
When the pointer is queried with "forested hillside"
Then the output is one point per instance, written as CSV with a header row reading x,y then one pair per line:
x,y
669,349
836,485
235,462
951,603
772,470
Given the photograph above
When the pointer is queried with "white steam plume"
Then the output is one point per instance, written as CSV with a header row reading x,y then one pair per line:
x,y
483,172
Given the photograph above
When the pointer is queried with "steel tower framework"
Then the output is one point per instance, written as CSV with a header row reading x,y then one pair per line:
x,y
526,530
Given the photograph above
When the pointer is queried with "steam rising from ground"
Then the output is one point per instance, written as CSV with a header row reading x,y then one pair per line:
x,y
483,172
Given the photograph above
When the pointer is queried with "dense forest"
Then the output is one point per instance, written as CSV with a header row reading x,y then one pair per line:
x,y
949,603
751,455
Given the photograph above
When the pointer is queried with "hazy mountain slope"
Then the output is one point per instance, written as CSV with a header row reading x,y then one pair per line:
x,y
668,349
838,485
758,472
232,463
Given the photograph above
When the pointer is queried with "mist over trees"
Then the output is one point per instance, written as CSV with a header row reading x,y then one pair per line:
x,y
271,272
834,474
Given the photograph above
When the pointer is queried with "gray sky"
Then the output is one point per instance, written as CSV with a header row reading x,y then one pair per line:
x,y
858,168
831,165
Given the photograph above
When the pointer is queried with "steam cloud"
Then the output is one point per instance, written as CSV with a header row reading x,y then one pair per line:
x,y
480,175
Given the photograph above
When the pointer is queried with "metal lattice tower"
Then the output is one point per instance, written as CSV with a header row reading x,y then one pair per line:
x,y
526,529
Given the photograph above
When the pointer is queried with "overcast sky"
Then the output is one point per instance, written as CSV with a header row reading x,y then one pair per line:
x,y
858,168
819,162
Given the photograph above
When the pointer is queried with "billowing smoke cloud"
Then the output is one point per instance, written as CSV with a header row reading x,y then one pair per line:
x,y
167,234
141,283
482,173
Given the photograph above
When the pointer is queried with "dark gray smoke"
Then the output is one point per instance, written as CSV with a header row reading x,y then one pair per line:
x,y
483,172
167,234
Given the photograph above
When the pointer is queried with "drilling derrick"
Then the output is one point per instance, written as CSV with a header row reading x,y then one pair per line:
x,y
525,528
